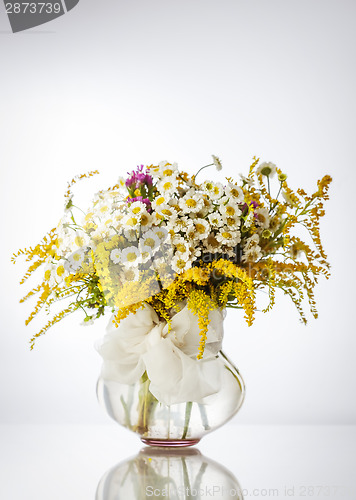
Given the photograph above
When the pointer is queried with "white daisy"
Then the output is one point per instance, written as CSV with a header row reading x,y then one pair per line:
x,y
167,186
181,263
150,241
247,180
230,210
130,256
191,202
266,168
217,162
115,255
137,208
75,260
262,217
252,241
228,237
159,200
161,233
180,224
166,210
180,244
129,274
146,220
215,220
252,254
168,170
202,228
234,193
216,192
130,234
232,222
131,221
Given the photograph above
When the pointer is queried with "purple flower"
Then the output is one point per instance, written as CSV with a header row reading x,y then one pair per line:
x,y
138,178
146,201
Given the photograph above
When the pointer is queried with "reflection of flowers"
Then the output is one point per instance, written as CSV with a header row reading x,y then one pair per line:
x,y
143,343
165,474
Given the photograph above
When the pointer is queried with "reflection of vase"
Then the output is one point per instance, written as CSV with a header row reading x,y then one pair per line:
x,y
169,474
153,384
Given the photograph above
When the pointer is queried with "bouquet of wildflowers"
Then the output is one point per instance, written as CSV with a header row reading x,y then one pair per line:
x,y
162,238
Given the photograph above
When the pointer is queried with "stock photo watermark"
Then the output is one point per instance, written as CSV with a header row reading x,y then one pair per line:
x,y
219,491
26,15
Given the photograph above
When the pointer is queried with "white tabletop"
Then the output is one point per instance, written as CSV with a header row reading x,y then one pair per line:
x,y
68,462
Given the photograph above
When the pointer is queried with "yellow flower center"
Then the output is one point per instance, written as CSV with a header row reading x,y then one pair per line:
x,y
200,228
131,257
150,242
167,172
132,221
180,264
60,270
191,203
180,247
136,210
160,200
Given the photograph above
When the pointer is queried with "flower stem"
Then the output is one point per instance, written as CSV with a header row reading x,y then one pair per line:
x,y
188,412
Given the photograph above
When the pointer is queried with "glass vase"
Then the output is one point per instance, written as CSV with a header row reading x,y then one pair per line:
x,y
182,424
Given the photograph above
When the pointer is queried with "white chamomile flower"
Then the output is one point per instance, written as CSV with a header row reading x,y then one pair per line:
x,y
137,208
121,182
229,210
181,263
146,220
130,234
247,180
228,237
75,260
252,254
115,255
129,274
191,202
208,186
216,192
262,217
232,222
131,221
130,256
215,220
266,168
202,228
180,245
234,193
217,162
252,241
167,211
168,170
150,240
159,200
180,224
161,233
167,186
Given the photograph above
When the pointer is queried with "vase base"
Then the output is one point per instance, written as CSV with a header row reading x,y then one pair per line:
x,y
170,443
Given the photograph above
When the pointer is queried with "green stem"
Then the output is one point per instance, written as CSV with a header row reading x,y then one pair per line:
x,y
202,168
188,412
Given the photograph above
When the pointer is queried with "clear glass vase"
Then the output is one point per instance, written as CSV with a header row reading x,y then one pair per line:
x,y
180,424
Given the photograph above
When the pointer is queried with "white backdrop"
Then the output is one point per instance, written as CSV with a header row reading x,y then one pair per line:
x,y
114,84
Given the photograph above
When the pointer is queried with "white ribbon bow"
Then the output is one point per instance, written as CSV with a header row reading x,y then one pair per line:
x,y
142,343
